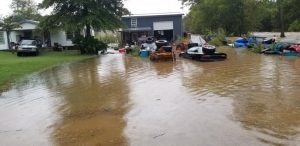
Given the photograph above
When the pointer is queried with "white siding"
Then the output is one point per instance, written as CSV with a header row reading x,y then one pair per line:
x,y
61,38
163,25
13,36
4,46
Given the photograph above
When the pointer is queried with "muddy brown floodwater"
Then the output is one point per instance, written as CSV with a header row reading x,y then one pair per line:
x,y
117,100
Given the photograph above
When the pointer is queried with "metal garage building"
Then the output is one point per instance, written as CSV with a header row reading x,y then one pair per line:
x,y
161,26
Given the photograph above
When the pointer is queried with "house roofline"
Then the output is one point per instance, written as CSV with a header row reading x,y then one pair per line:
x,y
153,15
29,21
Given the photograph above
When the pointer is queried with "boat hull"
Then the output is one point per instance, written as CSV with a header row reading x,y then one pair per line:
x,y
205,57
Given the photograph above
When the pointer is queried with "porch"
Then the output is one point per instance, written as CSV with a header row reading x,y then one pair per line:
x,y
134,35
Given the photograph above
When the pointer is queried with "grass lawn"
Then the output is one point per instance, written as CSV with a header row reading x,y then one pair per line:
x,y
12,67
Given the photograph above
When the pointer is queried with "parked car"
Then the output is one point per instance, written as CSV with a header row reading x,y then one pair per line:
x,y
203,53
28,47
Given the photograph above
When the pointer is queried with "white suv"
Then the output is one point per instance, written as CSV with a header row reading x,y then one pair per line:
x,y
28,47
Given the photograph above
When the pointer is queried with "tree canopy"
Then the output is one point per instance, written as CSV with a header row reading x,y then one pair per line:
x,y
8,24
242,16
24,10
78,14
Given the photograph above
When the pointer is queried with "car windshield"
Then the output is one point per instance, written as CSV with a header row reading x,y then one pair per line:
x,y
28,42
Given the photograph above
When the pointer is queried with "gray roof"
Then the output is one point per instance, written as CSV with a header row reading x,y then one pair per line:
x,y
153,15
137,29
29,21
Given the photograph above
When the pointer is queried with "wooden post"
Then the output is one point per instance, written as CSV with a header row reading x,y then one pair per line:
x,y
173,52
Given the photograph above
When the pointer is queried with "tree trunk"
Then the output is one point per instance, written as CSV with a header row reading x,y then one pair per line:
x,y
88,26
281,19
88,30
8,40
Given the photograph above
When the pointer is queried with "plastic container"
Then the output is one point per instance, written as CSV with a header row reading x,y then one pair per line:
x,y
122,50
209,50
144,53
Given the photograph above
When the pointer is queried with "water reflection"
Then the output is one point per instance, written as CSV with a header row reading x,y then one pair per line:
x,y
94,104
249,99
85,106
264,92
163,69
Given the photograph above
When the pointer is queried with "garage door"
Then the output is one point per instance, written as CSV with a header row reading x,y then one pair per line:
x,y
163,25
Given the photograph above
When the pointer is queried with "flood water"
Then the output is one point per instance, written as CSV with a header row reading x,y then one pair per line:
x,y
118,100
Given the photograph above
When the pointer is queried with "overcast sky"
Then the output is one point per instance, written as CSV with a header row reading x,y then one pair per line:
x,y
134,6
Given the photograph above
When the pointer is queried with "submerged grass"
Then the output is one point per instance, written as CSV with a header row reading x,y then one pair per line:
x,y
13,67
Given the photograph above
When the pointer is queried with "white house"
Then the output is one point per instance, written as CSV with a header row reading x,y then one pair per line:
x,y
27,31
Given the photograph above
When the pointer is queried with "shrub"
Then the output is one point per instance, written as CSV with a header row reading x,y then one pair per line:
x,y
216,42
220,37
89,45
257,49
135,51
249,34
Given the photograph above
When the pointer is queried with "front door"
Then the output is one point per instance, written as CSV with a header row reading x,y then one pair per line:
x,y
47,39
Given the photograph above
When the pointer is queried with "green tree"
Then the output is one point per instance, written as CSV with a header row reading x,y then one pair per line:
x,y
240,16
8,24
295,26
291,15
25,9
234,16
268,16
89,14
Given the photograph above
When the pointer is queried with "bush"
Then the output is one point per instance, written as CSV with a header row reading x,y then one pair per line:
x,y
89,45
257,49
220,37
135,51
216,42
249,34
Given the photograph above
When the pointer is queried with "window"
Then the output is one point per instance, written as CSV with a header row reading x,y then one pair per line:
x,y
70,35
2,41
161,32
133,22
77,33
